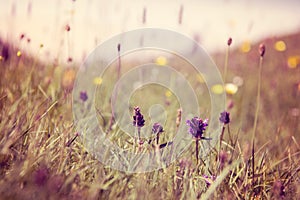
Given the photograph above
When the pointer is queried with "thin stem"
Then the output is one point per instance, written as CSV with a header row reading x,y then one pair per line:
x,y
256,114
220,145
221,139
113,99
197,150
139,133
226,62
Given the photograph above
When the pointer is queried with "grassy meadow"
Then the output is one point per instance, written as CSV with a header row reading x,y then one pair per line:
x,y
41,156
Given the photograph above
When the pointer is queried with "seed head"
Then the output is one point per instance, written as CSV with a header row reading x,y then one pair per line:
x,y
138,118
229,41
22,36
119,47
262,50
197,127
67,27
224,118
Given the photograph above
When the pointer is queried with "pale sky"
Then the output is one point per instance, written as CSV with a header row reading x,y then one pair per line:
x,y
93,22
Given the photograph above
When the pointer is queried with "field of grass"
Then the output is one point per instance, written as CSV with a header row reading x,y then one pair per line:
x,y
41,157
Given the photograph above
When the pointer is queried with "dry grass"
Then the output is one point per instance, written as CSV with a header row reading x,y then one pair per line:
x,y
36,125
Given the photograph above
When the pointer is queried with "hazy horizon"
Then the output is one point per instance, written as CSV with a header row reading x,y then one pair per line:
x,y
93,22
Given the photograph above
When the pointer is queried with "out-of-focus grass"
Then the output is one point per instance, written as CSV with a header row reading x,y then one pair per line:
x,y
36,124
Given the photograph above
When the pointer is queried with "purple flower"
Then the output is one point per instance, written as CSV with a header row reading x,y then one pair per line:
x,y
138,118
209,179
197,127
83,96
224,118
157,128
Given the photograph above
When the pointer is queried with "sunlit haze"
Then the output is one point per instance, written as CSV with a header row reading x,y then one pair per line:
x,y
92,22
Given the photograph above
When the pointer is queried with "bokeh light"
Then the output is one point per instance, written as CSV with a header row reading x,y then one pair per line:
x,y
217,89
97,81
231,88
246,47
162,61
280,46
293,61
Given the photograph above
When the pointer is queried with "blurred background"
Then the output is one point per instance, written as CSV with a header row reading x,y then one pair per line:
x,y
68,30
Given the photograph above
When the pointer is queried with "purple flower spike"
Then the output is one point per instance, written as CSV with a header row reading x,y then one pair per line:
x,y
157,128
197,127
224,118
83,96
138,118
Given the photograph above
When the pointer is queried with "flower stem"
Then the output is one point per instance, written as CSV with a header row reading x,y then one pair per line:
x,y
256,114
197,150
226,63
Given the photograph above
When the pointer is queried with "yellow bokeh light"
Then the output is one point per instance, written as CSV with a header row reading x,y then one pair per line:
x,y
231,88
97,81
200,78
19,53
246,47
293,61
280,46
68,78
168,93
162,61
217,89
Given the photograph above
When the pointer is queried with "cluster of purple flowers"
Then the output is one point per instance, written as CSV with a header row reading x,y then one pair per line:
x,y
197,127
138,118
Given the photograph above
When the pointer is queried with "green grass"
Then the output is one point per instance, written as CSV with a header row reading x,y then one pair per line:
x,y
36,124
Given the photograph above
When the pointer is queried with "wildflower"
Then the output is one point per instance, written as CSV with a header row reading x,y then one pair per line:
x,y
262,50
70,59
224,118
138,118
83,96
119,47
229,41
67,27
5,52
209,180
157,128
139,122
197,127
22,36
